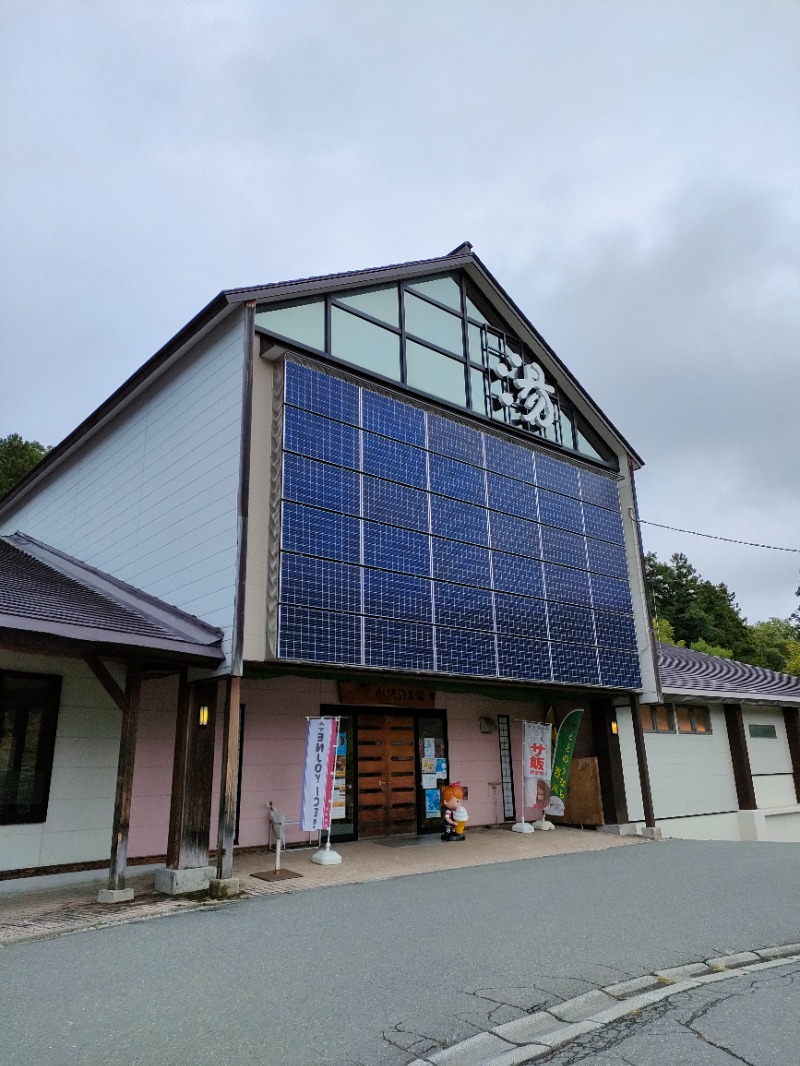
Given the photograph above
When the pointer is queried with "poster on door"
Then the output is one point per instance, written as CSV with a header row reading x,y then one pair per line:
x,y
315,807
339,796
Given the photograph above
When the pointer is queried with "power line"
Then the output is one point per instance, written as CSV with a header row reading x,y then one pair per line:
x,y
712,536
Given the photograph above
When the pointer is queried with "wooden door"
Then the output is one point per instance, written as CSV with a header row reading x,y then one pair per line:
x,y
387,794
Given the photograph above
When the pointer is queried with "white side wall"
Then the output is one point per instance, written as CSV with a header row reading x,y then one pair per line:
x,y
690,774
81,808
152,498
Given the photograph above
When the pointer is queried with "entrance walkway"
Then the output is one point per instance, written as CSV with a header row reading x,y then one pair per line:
x,y
42,914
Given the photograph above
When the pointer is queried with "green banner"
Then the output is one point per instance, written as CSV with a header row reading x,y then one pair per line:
x,y
562,757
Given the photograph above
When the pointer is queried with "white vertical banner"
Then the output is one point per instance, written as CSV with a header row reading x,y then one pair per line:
x,y
315,809
536,767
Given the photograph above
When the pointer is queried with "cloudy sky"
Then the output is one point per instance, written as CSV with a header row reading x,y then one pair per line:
x,y
628,170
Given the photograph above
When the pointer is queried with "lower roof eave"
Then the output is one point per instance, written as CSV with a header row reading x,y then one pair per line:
x,y
676,695
105,645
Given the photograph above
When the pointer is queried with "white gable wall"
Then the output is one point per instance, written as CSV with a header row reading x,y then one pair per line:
x,y
152,498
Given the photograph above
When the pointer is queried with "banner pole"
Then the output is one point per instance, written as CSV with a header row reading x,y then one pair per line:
x,y
522,826
327,856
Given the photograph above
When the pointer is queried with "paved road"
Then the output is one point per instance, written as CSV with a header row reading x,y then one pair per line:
x,y
753,1020
375,974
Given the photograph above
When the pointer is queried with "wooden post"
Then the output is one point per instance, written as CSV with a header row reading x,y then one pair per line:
x,y
609,762
791,719
122,798
192,774
742,774
641,758
179,769
229,778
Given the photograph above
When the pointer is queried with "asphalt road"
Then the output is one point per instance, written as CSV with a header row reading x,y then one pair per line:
x,y
752,1020
376,974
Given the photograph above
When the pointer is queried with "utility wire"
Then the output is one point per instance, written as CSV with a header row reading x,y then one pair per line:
x,y
712,536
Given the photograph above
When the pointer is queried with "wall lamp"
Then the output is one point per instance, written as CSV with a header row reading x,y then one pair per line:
x,y
614,727
202,719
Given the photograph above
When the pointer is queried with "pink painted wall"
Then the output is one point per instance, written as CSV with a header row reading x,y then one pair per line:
x,y
274,747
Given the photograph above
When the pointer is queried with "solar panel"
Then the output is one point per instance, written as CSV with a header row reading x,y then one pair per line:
x,y
460,562
320,485
452,478
512,497
398,645
463,607
387,416
321,636
605,525
599,490
310,582
321,394
312,532
561,511
448,437
512,534
386,501
575,663
414,542
459,651
458,521
394,461
389,595
320,438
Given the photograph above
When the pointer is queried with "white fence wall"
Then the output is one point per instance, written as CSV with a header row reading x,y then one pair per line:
x,y
152,498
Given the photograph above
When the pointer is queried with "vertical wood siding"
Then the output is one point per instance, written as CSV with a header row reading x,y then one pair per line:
x,y
152,499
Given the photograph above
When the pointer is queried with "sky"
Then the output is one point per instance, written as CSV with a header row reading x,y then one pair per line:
x,y
629,171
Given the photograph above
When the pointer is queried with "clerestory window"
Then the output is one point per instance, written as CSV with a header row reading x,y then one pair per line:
x,y
438,336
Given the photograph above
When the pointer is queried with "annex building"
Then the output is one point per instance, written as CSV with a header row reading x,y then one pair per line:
x,y
378,495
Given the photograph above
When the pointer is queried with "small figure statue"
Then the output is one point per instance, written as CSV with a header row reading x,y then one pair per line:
x,y
455,814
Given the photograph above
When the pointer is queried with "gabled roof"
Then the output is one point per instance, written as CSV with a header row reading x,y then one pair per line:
x,y
226,301
45,593
693,673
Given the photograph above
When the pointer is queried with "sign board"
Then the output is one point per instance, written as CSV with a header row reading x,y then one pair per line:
x,y
315,807
536,768
371,695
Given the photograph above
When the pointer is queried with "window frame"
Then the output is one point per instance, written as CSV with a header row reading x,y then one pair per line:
x,y
10,813
762,736
695,713
600,453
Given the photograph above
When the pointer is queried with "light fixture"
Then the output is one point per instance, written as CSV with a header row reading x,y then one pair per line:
x,y
202,719
614,727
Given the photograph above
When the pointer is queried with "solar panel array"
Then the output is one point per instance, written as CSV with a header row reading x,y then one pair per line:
x,y
412,542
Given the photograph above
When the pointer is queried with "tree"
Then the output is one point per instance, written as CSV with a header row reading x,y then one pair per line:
x,y
771,643
697,609
17,457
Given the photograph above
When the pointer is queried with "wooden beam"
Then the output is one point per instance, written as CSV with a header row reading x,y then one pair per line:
x,y
791,718
641,758
742,774
229,777
122,797
103,675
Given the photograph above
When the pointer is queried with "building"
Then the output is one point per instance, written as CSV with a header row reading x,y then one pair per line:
x,y
378,495
722,748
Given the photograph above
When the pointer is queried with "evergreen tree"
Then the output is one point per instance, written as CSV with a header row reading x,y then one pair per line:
x,y
17,457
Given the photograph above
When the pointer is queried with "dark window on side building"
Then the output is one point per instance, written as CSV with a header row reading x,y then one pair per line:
x,y
28,720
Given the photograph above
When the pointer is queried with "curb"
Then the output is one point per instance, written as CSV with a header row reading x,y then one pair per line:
x,y
537,1035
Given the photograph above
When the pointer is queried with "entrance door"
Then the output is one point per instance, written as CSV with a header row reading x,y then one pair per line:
x,y
387,794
